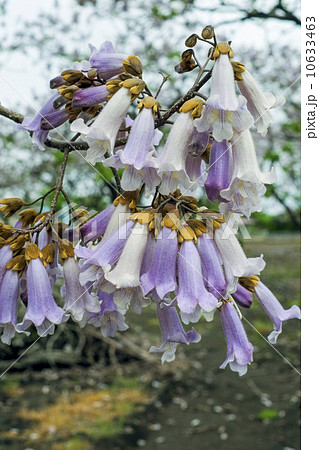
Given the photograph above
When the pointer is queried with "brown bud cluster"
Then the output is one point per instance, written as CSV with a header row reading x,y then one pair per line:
x,y
11,206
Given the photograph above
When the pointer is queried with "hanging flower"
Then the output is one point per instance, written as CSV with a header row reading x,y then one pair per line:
x,y
239,349
78,300
247,182
191,290
224,111
9,293
219,170
161,275
274,310
173,332
42,309
172,161
109,318
258,102
102,134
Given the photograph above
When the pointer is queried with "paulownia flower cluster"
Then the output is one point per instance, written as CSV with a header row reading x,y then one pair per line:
x,y
155,244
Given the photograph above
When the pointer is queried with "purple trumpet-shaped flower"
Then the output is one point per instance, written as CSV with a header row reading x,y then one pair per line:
x,y
96,226
173,332
191,291
239,349
78,300
42,309
242,296
102,134
34,124
219,170
247,182
104,256
109,319
9,292
212,270
106,60
140,140
275,310
138,157
84,98
53,119
161,275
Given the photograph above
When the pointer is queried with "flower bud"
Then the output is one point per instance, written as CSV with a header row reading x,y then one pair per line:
x,y
191,41
208,32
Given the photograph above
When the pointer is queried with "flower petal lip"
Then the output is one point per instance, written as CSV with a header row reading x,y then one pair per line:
x,y
239,349
274,310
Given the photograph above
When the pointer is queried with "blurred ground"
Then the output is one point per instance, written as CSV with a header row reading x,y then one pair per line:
x,y
189,404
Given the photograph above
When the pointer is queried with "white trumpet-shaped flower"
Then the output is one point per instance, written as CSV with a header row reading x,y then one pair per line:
x,y
171,163
102,134
258,102
247,182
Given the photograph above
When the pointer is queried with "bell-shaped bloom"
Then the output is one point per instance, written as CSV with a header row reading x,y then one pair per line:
x,y
239,349
223,95
173,332
9,293
172,161
192,291
54,119
109,319
34,124
138,156
126,273
102,134
97,261
42,309
96,226
84,98
235,262
247,183
258,102
161,275
242,296
106,60
78,300
224,121
212,269
219,170
128,297
275,310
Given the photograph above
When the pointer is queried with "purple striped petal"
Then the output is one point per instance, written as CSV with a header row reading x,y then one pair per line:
x,y
85,98
173,332
191,289
219,170
211,266
239,349
161,275
42,309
